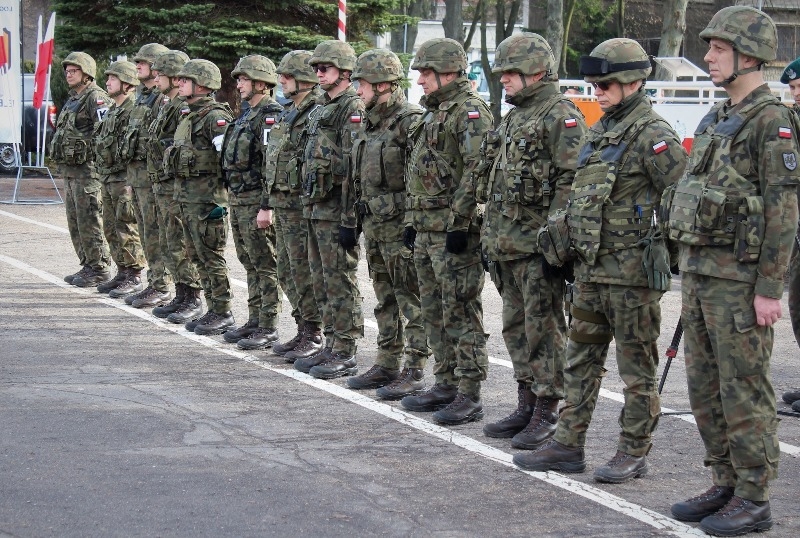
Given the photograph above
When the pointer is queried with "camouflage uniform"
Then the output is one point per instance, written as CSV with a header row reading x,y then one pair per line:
x,y
442,209
734,215
71,150
529,164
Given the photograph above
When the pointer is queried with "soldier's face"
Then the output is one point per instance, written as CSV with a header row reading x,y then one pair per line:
x,y
427,79
610,96
512,81
365,91
326,73
794,89
719,59
244,85
143,70
185,87
286,82
74,75
113,84
162,81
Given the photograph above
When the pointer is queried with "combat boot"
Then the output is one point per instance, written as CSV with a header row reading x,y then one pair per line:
x,y
69,278
258,339
516,421
234,335
408,383
215,323
553,457
460,411
305,364
282,349
622,468
791,396
739,516
149,297
705,504
437,397
375,377
131,284
541,427
340,364
165,310
310,345
122,274
191,324
92,278
189,309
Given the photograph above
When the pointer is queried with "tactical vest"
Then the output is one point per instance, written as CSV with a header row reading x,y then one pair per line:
x,y
242,148
71,144
107,158
161,136
283,158
133,147
597,226
713,204
184,159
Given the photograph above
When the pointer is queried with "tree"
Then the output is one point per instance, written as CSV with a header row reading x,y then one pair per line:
x,y
555,28
506,15
404,36
453,22
672,32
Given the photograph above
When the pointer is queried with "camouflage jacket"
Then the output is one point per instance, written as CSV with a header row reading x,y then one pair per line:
x,y
283,160
71,143
747,161
627,160
378,168
134,144
332,127
193,159
243,150
445,148
161,134
108,159
527,168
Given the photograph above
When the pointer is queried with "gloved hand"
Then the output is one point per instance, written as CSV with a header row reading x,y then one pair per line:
x,y
409,236
348,238
217,141
485,260
456,242
674,270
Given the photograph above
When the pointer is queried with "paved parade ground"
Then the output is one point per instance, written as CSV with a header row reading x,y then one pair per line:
x,y
116,423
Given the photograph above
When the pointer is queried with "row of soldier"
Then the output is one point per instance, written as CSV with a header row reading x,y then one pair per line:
x,y
441,198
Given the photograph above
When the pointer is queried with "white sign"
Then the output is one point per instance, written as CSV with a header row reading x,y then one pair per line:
x,y
10,73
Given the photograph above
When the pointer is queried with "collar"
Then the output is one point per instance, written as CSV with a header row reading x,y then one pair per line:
x,y
536,92
446,93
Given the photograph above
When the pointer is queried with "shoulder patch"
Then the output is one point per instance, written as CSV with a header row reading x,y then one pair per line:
x,y
269,121
660,147
355,118
221,122
570,122
473,114
101,113
100,102
784,132
185,110
790,161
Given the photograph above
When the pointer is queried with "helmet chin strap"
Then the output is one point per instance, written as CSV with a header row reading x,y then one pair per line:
x,y
297,90
737,71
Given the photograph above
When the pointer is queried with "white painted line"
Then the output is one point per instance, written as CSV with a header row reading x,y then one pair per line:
x,y
36,222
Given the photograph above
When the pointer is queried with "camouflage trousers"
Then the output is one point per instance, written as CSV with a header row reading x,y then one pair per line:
x,y
171,240
728,372
255,248
794,293
84,206
450,287
205,245
534,328
119,225
394,279
333,272
632,317
294,276
145,204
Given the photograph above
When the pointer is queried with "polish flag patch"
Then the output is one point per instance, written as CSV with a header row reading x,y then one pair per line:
x,y
221,122
185,111
269,121
570,122
100,102
473,115
355,118
784,132
166,100
660,147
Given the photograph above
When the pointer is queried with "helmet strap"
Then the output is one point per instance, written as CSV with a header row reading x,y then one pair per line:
x,y
297,90
522,79
737,71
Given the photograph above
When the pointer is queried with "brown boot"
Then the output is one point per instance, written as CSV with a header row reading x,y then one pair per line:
x,y
553,457
189,309
408,383
167,309
516,421
131,284
119,278
311,344
375,377
541,427
283,349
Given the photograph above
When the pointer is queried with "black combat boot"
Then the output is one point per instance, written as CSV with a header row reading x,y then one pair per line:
x,y
119,278
516,421
541,427
282,349
408,383
305,364
131,284
553,456
703,505
258,339
192,323
215,323
375,377
791,396
310,345
83,270
340,364
189,309
739,516
435,398
92,278
234,335
460,411
167,309
149,297
621,468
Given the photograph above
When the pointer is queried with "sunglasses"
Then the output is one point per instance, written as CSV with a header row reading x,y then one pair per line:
x,y
602,85
322,68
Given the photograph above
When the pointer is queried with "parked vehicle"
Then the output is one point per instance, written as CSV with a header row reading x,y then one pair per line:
x,y
29,118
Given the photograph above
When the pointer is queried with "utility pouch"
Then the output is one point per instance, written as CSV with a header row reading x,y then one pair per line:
x,y
750,229
655,261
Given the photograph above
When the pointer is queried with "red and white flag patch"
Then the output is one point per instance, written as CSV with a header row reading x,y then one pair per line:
x,y
100,102
473,114
185,111
570,122
355,118
269,121
784,132
660,147
221,122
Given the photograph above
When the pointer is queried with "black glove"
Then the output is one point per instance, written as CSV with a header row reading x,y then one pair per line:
x,y
409,236
674,270
348,238
456,242
485,260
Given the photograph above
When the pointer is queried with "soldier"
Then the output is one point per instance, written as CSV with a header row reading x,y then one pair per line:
x,y
377,174
734,216
119,218
282,207
329,205
243,166
200,190
186,304
791,76
71,150
531,162
622,269
443,229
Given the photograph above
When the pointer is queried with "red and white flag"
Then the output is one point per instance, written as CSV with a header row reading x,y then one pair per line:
x,y
3,52
44,57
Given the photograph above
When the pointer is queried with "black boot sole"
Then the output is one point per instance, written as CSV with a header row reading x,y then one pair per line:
x,y
334,375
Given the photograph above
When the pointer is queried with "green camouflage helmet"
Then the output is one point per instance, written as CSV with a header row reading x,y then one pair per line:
x,y
378,65
442,54
148,53
295,64
256,67
82,60
525,53
337,53
620,59
170,63
748,30
202,72
124,70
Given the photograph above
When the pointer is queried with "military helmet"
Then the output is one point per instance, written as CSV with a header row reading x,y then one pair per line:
x,y
202,72
620,59
124,70
256,67
749,30
792,72
82,60
170,62
295,64
378,65
337,53
442,54
525,53
148,53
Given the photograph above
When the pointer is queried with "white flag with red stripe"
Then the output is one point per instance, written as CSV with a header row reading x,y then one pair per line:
x,y
44,57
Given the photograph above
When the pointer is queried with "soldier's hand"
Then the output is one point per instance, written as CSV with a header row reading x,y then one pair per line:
x,y
264,218
409,236
674,270
456,242
347,238
217,141
768,310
